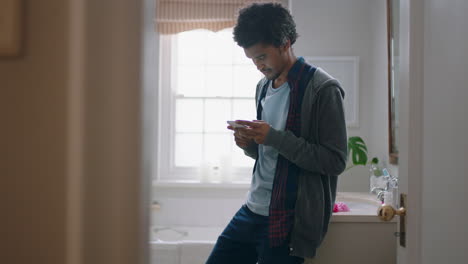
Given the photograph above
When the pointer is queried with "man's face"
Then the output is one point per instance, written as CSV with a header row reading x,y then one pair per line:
x,y
269,59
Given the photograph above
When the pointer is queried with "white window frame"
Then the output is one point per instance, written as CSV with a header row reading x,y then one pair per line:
x,y
166,171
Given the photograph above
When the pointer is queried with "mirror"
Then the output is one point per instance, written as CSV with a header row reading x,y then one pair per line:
x,y
393,7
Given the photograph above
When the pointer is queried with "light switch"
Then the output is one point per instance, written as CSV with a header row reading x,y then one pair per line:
x,y
10,27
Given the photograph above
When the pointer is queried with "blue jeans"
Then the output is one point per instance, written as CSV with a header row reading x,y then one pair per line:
x,y
245,241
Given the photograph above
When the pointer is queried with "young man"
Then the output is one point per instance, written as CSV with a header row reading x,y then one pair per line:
x,y
299,143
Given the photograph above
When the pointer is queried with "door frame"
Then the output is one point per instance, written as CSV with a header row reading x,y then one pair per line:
x,y
411,126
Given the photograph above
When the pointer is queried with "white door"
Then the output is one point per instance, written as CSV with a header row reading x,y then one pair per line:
x,y
434,130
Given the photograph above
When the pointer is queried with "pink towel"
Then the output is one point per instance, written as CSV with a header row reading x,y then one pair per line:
x,y
340,207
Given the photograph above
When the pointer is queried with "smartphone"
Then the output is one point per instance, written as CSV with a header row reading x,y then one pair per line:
x,y
235,125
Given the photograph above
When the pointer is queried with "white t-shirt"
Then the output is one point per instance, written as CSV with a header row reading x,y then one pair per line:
x,y
275,113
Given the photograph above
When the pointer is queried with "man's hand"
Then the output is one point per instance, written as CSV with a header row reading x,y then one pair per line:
x,y
256,130
240,137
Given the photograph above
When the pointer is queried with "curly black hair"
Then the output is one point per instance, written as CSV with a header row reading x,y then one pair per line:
x,y
267,23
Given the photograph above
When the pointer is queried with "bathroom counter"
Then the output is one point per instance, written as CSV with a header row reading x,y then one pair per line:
x,y
363,208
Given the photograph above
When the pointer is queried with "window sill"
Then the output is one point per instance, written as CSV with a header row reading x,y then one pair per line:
x,y
201,185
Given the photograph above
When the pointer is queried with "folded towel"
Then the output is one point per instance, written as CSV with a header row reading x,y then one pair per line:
x,y
340,207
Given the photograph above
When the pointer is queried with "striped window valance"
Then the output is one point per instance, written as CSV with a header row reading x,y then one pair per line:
x,y
174,16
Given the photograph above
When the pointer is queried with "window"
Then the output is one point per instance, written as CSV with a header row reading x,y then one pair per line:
x,y
206,80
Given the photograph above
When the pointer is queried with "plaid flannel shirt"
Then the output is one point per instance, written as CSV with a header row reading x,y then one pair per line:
x,y
283,196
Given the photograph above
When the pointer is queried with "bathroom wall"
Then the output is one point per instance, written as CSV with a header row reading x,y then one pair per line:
x,y
33,138
70,189
326,28
352,28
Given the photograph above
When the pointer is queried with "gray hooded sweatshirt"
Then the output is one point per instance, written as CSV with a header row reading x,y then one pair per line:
x,y
321,154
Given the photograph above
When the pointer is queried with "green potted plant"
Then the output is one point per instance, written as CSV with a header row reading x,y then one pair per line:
x,y
357,149
381,182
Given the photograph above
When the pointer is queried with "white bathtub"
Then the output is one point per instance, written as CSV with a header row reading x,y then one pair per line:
x,y
182,244
350,238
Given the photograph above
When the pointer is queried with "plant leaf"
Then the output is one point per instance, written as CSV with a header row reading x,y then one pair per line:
x,y
358,150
